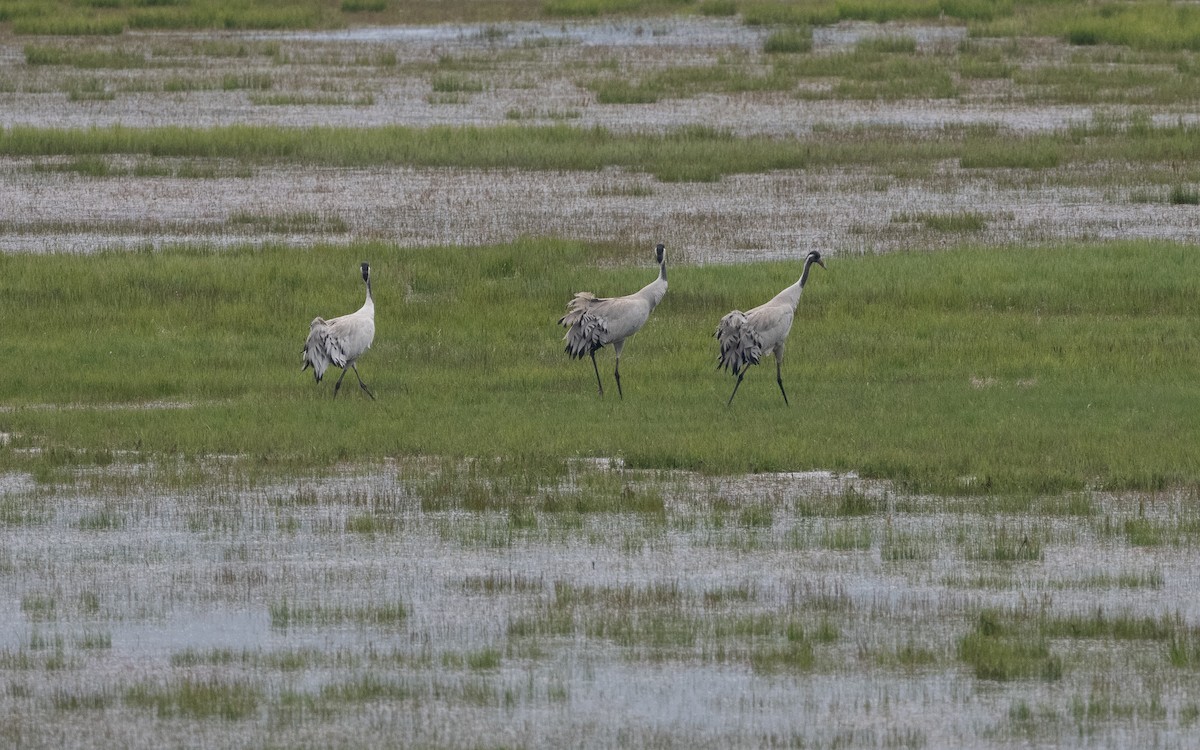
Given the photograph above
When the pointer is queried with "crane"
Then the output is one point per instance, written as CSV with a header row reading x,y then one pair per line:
x,y
746,336
342,340
592,321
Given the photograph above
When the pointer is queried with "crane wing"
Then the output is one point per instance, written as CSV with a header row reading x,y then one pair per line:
x,y
771,324
347,337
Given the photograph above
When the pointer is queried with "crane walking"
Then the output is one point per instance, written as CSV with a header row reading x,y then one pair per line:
x,y
342,340
592,321
746,336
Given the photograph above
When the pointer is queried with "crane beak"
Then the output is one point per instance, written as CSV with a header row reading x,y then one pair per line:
x,y
821,263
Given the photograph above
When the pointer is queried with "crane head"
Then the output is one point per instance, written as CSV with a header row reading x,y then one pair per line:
x,y
815,257
659,252
366,271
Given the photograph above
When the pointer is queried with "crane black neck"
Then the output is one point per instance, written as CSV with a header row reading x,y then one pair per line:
x,y
804,274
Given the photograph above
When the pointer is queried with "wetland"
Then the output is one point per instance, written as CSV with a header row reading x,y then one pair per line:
x,y
975,527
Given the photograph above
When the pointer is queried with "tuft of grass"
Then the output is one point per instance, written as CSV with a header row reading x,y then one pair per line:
x,y
1184,196
898,546
300,222
456,84
503,583
105,520
286,615
1004,545
364,6
717,8
39,608
996,653
198,699
988,153
891,44
788,41
1099,624
962,221
305,100
246,81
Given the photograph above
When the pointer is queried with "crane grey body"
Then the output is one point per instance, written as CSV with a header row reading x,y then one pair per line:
x,y
592,321
342,340
746,336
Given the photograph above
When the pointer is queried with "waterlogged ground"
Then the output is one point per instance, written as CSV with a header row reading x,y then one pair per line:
x,y
533,74
151,606
452,606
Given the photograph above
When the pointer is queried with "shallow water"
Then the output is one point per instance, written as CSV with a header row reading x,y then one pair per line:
x,y
536,73
673,629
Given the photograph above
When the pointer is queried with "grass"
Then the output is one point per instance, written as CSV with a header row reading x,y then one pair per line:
x,y
963,221
286,615
689,153
319,100
985,69
535,626
1153,25
995,654
1016,644
199,699
467,347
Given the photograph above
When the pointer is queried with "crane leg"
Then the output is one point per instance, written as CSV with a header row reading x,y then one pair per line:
x,y
617,375
597,369
361,384
779,379
741,375
338,384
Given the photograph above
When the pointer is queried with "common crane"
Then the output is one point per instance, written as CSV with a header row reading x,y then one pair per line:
x,y
592,322
746,336
342,340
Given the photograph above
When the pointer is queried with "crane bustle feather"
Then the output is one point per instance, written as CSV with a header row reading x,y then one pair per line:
x,y
586,331
315,354
740,344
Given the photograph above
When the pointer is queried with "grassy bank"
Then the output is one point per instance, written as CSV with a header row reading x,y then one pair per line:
x,y
970,370
689,154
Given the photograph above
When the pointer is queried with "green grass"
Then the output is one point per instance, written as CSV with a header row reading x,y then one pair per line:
x,y
1152,25
961,221
286,615
690,153
996,653
788,41
318,100
1016,644
468,362
198,699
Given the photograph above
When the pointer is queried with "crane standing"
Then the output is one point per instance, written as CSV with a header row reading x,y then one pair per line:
x,y
746,336
592,322
342,340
